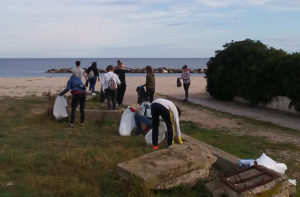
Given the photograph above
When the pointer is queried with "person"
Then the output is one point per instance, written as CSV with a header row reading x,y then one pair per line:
x,y
170,114
79,96
93,75
109,83
120,71
185,76
143,115
150,83
79,72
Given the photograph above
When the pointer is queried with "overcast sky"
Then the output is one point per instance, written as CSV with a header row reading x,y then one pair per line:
x,y
143,28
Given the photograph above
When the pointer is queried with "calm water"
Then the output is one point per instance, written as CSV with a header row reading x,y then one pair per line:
x,y
37,67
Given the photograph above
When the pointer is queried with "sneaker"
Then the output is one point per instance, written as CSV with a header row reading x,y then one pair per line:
x,y
71,125
155,147
81,124
93,94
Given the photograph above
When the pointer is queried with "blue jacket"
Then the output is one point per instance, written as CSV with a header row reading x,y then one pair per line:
x,y
74,84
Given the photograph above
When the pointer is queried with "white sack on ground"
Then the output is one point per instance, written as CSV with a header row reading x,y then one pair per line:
x,y
127,123
161,134
60,108
266,161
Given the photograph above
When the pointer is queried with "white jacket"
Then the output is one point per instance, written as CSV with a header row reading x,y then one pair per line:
x,y
107,77
172,107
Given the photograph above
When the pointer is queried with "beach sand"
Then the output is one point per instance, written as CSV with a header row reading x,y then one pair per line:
x,y
20,87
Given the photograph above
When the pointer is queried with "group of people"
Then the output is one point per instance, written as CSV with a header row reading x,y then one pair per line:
x,y
113,84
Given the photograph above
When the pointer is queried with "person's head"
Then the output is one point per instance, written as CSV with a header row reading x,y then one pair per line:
x,y
77,63
179,110
110,68
149,69
184,67
94,64
119,63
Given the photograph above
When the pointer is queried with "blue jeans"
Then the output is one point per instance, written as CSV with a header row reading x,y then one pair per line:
x,y
92,84
141,119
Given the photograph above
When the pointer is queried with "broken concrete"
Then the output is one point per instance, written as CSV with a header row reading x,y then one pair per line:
x,y
168,168
276,188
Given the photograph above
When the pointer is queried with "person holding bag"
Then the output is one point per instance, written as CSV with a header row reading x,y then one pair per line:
x,y
78,91
185,76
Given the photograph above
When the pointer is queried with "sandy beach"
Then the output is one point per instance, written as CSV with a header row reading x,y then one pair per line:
x,y
20,87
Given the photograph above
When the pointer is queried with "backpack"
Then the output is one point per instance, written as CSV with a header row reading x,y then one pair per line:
x,y
91,74
111,84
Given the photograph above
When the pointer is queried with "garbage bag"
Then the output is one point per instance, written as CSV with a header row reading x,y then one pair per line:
x,y
60,108
267,162
127,123
161,134
178,83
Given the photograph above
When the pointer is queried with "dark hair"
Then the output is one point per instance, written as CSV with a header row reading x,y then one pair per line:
x,y
149,69
119,63
179,110
109,68
184,67
77,63
94,64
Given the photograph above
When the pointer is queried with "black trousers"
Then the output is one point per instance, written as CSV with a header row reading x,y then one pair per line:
x,y
186,87
111,98
120,94
150,93
156,111
78,99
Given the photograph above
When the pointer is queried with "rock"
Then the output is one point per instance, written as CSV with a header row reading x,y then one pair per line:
x,y
168,168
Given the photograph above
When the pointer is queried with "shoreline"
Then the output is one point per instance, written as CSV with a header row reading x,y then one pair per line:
x,y
27,86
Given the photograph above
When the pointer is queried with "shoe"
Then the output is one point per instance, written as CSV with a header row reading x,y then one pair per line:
x,y
93,94
155,147
179,140
71,125
81,124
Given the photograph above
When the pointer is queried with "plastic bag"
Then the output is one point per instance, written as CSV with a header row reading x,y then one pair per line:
x,y
60,108
246,162
178,83
161,134
127,123
266,161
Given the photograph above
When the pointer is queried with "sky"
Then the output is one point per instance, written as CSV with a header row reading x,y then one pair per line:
x,y
143,28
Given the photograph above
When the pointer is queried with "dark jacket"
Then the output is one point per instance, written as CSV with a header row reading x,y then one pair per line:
x,y
74,84
150,81
94,69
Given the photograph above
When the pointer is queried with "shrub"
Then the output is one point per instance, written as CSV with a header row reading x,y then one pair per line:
x,y
251,70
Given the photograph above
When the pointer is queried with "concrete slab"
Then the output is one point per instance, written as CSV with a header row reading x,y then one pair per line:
x,y
168,168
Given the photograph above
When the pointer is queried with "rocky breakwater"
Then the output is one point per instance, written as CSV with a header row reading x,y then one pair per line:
x,y
133,70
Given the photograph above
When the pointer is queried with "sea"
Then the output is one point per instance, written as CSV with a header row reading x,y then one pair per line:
x,y
37,67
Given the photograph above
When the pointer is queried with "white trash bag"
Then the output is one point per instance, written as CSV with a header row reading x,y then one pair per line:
x,y
60,108
161,134
266,161
127,123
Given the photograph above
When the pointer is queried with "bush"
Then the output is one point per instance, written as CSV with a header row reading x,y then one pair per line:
x,y
251,70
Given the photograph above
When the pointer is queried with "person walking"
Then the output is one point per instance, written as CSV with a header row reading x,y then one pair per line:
x,y
170,114
120,71
150,84
79,72
79,96
93,75
109,83
185,76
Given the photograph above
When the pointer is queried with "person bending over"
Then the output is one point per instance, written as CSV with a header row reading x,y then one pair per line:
x,y
109,83
143,115
170,114
79,96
